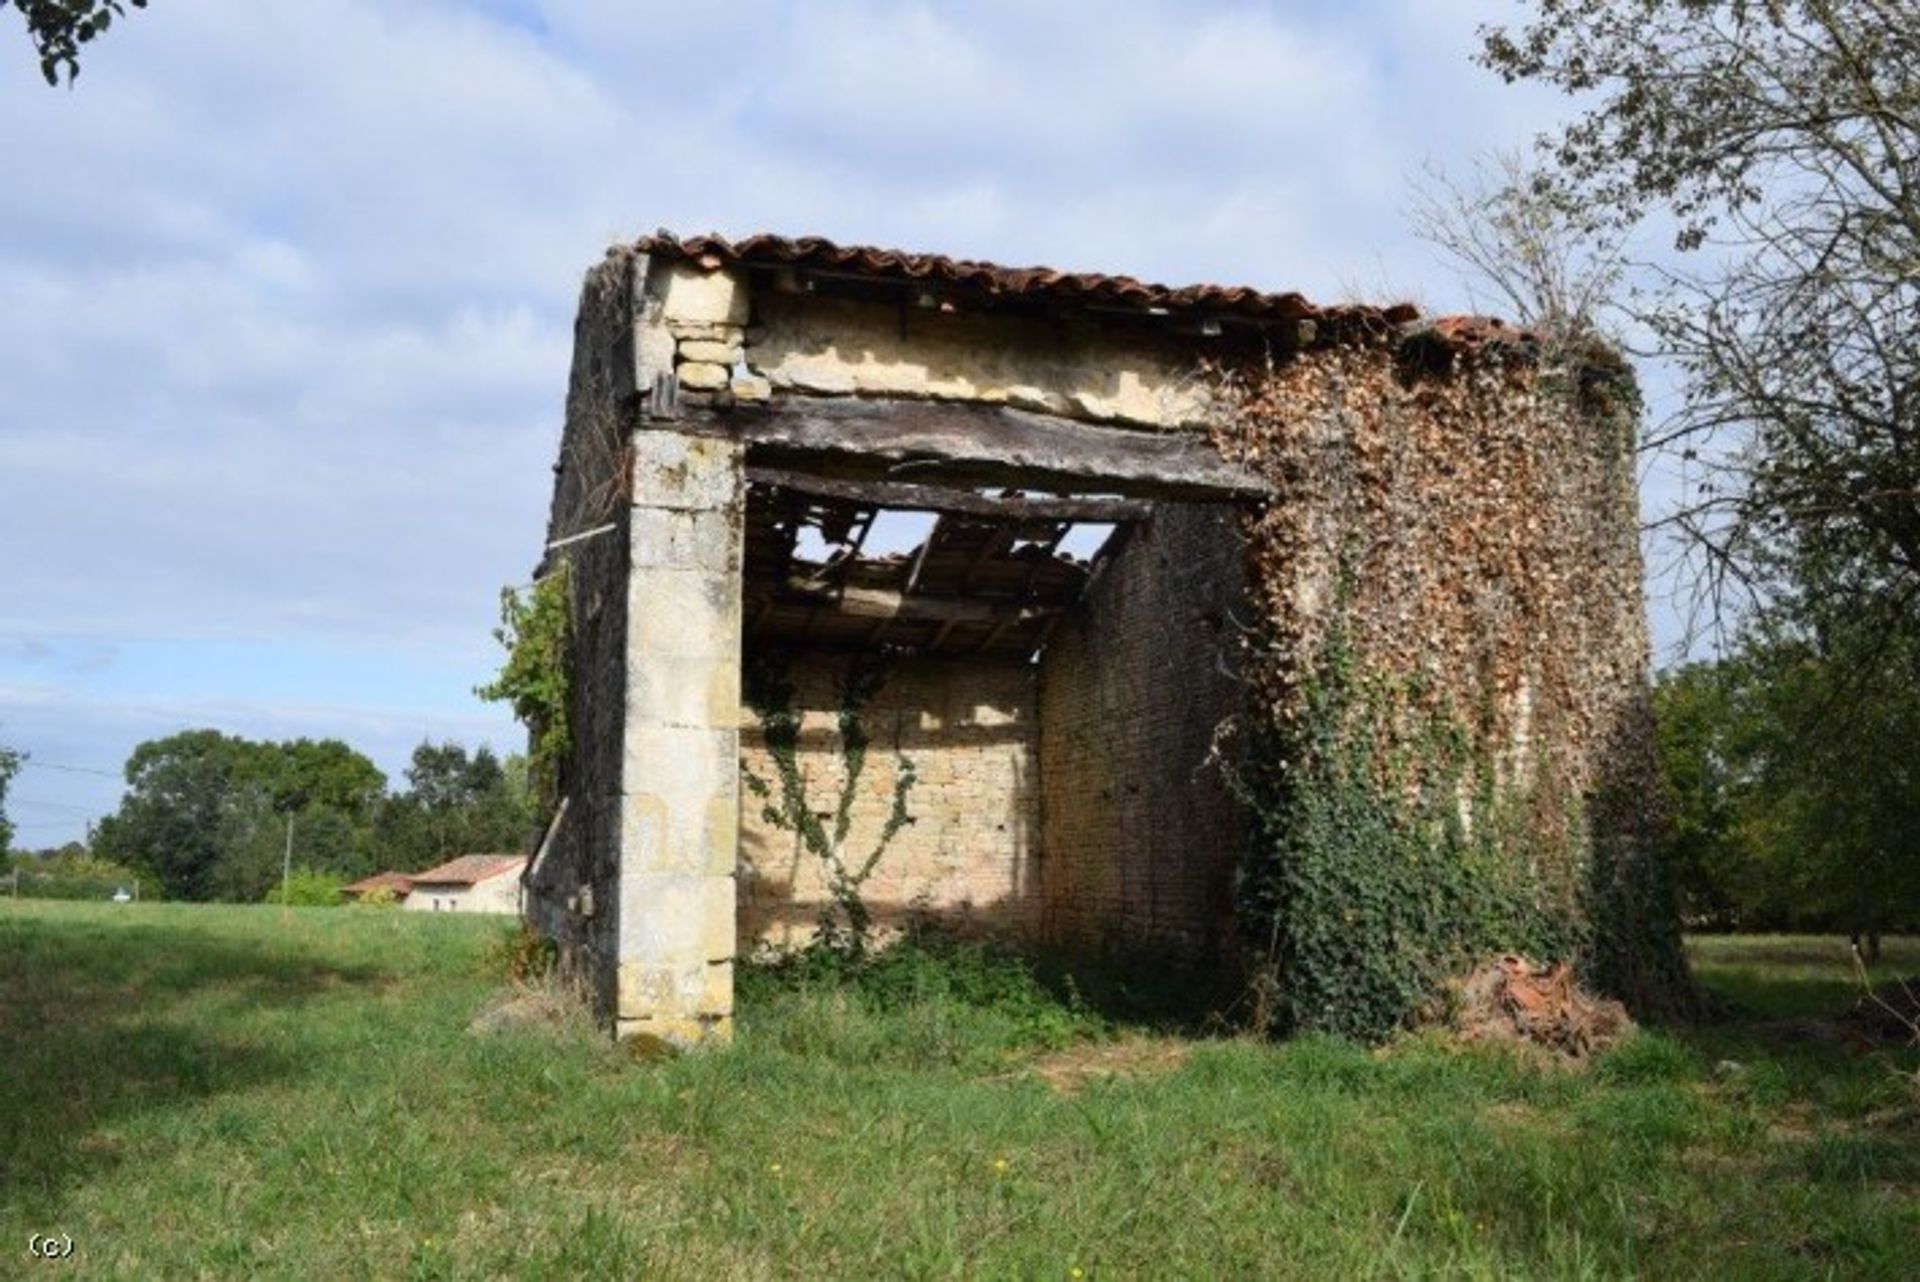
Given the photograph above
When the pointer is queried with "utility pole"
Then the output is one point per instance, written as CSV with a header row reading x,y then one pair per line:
x,y
286,867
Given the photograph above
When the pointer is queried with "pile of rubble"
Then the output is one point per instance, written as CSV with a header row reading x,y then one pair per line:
x,y
1514,999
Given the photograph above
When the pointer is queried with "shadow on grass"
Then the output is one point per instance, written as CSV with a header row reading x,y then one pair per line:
x,y
100,1028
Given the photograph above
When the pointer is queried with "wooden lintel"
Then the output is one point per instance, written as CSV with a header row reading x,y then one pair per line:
x,y
883,603
966,444
905,496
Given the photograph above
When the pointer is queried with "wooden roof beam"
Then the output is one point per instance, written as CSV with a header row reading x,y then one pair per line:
x,y
963,444
886,603
905,496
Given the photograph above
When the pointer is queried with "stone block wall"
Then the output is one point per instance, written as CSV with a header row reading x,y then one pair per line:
x,y
969,859
1140,833
573,887
718,336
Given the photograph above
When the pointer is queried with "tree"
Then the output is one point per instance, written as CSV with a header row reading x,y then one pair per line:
x,y
59,27
324,772
456,803
1784,814
1703,741
10,762
171,822
1553,265
1782,137
207,813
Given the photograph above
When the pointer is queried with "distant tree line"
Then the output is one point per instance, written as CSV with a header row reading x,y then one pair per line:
x,y
206,815
1793,783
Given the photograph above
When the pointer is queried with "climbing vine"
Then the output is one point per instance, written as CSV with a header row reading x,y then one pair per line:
x,y
846,924
1445,751
535,627
1377,869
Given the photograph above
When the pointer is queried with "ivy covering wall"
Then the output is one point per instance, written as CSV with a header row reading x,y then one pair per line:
x,y
1447,751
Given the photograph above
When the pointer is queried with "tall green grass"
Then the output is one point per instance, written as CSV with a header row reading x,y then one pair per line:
x,y
294,1093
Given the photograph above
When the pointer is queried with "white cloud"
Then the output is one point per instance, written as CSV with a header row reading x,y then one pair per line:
x,y
289,286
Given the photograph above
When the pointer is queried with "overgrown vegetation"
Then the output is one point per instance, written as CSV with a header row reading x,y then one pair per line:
x,y
1446,743
306,888
846,924
200,1091
536,627
1377,868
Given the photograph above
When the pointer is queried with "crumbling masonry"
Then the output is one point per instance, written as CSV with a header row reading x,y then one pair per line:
x,y
745,423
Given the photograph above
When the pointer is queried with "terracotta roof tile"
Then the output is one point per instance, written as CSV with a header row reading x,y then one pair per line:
x,y
398,882
1091,288
468,869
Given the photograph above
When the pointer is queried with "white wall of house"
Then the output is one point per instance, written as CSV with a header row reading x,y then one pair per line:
x,y
498,894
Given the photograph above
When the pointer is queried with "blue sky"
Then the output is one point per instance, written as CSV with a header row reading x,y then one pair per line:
x,y
288,287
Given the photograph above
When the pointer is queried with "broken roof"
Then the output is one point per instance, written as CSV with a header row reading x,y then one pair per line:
x,y
1043,284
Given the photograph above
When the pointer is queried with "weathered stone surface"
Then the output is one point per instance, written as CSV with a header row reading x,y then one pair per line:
x,y
654,349
683,614
680,539
659,1038
710,352
671,926
685,472
971,854
678,813
708,331
1140,830
841,346
688,293
700,376
751,387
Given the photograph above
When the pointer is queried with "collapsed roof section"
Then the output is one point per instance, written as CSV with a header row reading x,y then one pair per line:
x,y
989,578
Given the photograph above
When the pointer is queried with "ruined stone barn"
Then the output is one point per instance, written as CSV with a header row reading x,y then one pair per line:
x,y
945,566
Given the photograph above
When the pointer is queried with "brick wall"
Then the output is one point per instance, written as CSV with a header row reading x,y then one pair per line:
x,y
1139,832
969,856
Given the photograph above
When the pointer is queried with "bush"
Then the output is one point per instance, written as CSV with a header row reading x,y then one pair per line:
x,y
307,888
522,955
928,999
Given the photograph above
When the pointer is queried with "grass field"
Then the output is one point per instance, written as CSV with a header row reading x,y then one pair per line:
x,y
214,1091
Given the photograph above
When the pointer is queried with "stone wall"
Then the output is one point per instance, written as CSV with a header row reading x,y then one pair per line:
x,y
1139,831
719,335
572,891
1449,584
969,857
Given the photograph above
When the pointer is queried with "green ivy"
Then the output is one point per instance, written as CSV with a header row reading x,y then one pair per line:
x,y
1365,886
536,629
846,925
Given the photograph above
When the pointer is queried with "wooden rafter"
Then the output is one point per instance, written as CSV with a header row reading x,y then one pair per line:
x,y
906,497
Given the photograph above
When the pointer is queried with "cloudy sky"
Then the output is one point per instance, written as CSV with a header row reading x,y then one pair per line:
x,y
287,287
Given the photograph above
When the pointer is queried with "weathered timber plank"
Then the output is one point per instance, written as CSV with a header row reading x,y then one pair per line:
x,y
883,603
907,497
956,443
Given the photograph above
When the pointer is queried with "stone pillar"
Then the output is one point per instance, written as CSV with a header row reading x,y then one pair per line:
x,y
680,802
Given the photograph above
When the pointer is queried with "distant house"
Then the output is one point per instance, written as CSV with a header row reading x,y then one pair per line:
x,y
469,884
398,884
